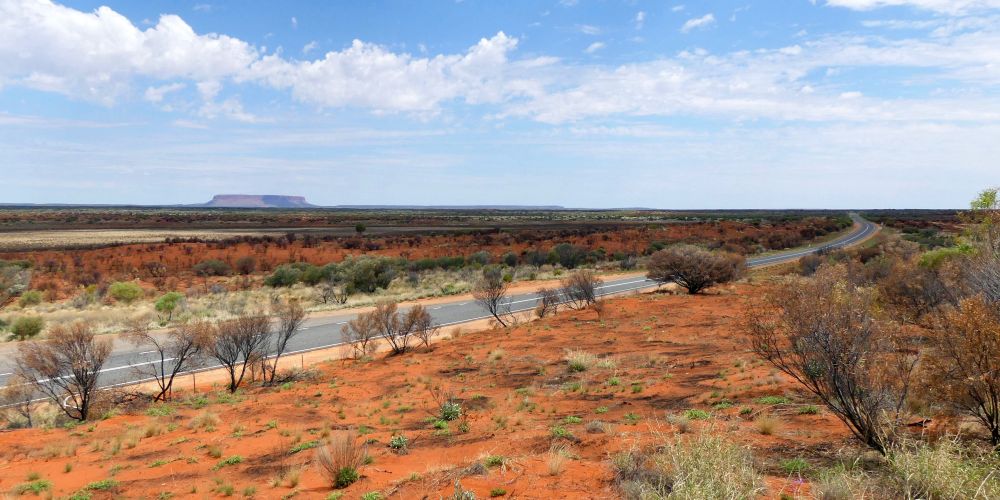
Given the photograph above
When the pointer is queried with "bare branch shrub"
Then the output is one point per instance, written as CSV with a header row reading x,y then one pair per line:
x,y
825,334
396,327
424,328
964,367
490,292
580,289
17,397
548,302
361,333
694,268
179,350
65,368
238,344
914,291
290,318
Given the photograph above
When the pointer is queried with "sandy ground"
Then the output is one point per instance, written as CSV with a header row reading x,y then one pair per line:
x,y
662,354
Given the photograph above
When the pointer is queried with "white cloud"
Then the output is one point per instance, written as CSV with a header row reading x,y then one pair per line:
x,y
370,76
594,47
309,47
698,23
942,6
640,20
203,7
588,29
677,8
156,94
295,22
95,55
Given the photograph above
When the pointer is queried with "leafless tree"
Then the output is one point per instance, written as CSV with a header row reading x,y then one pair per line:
x,y
17,396
239,343
964,366
424,328
361,333
65,368
290,318
330,292
490,292
694,268
580,289
178,350
548,302
394,327
824,333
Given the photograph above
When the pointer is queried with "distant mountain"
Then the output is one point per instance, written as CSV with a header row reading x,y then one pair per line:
x,y
257,201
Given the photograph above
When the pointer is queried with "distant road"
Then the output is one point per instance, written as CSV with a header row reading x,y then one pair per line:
x,y
321,333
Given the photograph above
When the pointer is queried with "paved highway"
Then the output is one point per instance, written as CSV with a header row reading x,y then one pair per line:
x,y
324,332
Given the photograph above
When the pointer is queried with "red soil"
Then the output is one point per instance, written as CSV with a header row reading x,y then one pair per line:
x,y
673,353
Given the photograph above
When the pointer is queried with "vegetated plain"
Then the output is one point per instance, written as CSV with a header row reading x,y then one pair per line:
x,y
732,393
331,259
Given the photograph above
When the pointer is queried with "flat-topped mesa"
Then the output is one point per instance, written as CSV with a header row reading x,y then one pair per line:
x,y
257,201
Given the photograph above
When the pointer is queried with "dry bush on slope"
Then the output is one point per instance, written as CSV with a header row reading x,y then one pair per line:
x,y
340,459
694,268
704,466
826,334
580,289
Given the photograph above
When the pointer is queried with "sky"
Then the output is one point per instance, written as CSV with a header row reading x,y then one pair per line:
x,y
580,103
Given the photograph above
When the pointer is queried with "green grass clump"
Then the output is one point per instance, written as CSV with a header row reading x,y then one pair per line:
x,y
696,414
303,446
233,460
794,465
102,485
772,400
36,486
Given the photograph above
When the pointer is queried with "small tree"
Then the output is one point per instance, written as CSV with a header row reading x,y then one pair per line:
x,y
359,228
361,332
212,267
580,289
26,327
169,303
125,291
964,368
423,325
239,344
490,291
548,302
15,278
396,328
65,368
290,319
179,350
694,268
825,334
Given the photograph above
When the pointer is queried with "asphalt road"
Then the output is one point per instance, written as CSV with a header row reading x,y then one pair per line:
x,y
127,361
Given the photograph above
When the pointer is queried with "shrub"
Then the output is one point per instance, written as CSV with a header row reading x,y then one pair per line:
x,y
36,487
794,465
964,369
285,275
246,265
826,334
213,267
450,410
579,361
233,460
102,485
340,459
125,291
694,268
695,414
704,466
399,443
26,327
30,298
580,289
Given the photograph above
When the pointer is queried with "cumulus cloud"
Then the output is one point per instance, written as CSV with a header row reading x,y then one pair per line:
x,y
698,23
370,76
95,55
156,94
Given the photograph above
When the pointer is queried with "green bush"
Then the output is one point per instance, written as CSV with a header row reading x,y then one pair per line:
x,y
212,267
125,291
285,275
26,327
450,410
168,303
30,298
346,476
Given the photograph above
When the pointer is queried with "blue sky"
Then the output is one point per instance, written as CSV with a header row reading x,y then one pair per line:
x,y
778,104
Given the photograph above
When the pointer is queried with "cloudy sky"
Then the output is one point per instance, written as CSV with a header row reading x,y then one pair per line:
x,y
583,103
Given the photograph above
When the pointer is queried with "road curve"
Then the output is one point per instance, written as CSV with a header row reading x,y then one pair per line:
x,y
122,368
